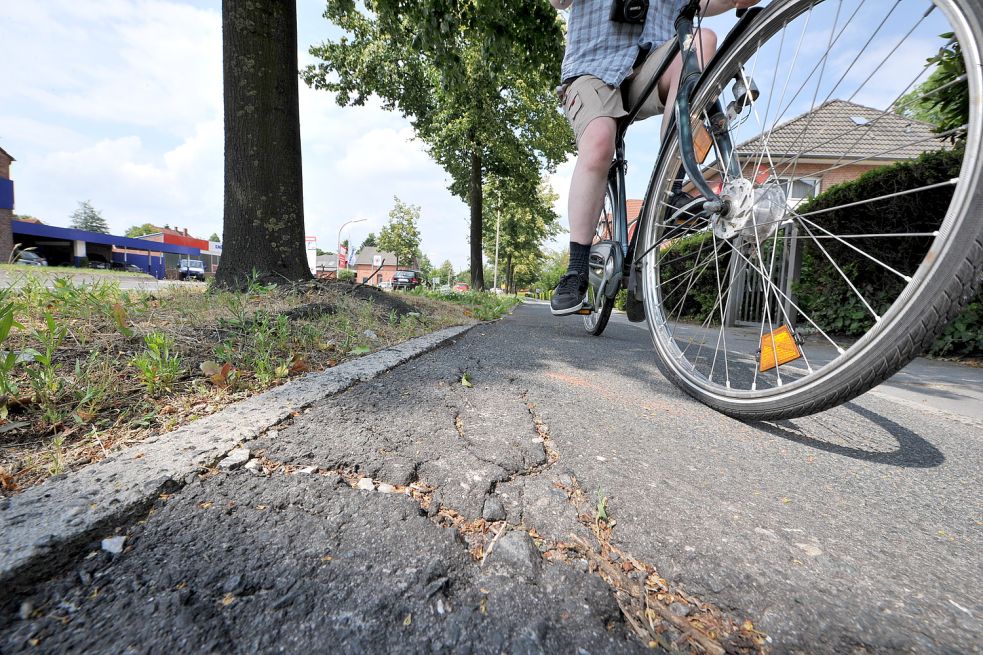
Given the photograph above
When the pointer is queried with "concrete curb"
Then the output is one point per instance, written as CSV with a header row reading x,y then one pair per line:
x,y
45,526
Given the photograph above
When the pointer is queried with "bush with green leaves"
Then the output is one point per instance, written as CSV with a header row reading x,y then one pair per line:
x,y
824,294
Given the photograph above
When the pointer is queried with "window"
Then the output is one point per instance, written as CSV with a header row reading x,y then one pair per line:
x,y
800,190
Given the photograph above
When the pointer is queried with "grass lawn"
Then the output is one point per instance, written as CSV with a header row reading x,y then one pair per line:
x,y
13,270
87,369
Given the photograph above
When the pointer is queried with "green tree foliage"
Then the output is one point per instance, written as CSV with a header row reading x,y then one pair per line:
x,y
86,217
445,272
401,235
475,78
141,230
525,219
552,268
215,237
942,99
369,241
425,266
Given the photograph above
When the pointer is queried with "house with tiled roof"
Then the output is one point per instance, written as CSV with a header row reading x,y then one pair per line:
x,y
373,266
837,142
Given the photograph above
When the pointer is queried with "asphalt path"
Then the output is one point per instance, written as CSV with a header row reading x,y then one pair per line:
x,y
856,530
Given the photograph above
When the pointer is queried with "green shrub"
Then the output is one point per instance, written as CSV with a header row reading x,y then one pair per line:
x,y
824,294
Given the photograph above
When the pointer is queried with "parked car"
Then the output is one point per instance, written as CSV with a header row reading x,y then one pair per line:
x,y
407,280
193,269
129,268
30,258
462,287
99,263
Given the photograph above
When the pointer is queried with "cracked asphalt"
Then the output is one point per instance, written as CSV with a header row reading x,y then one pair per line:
x,y
857,530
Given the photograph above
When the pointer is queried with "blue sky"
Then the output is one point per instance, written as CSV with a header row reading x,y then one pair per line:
x,y
120,102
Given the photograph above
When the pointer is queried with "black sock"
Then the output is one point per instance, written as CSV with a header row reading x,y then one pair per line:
x,y
579,258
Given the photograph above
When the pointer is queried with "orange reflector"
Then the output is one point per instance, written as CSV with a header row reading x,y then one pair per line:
x,y
702,142
778,348
585,311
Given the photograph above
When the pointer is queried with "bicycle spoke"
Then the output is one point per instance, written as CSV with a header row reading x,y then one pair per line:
x,y
762,306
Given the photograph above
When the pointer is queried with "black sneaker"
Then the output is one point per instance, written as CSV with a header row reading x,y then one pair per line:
x,y
569,295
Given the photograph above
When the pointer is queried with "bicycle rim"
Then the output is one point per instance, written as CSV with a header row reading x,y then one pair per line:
x,y
597,320
799,304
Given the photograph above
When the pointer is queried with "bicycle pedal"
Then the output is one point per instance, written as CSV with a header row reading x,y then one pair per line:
x,y
586,309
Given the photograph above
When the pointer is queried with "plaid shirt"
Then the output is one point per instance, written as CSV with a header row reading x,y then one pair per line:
x,y
598,46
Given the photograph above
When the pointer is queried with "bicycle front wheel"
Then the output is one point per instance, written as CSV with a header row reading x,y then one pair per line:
x,y
853,233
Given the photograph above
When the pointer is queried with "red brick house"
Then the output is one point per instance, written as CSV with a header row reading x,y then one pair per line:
x,y
368,259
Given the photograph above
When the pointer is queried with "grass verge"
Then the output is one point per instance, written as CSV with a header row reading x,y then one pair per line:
x,y
69,271
483,306
87,369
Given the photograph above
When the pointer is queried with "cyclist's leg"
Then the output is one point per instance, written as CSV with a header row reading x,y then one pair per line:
x,y
595,150
592,107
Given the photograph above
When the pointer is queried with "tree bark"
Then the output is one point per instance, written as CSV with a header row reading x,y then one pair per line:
x,y
263,228
508,273
475,197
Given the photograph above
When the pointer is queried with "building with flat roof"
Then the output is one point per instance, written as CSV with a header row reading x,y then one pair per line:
x,y
65,246
6,205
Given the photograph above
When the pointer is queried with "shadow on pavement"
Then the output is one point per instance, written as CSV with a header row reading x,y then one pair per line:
x,y
913,450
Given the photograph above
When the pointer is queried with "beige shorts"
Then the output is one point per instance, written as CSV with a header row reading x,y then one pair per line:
x,y
588,97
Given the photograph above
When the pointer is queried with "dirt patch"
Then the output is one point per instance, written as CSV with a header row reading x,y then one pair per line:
x,y
88,368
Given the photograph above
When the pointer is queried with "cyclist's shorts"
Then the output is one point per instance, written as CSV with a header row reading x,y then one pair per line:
x,y
588,97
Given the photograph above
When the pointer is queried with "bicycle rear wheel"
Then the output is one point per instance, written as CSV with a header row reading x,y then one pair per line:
x,y
597,320
790,304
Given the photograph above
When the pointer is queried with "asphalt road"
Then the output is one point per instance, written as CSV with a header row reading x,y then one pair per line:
x,y
857,530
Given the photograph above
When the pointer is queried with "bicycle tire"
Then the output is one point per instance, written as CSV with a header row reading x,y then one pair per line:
x,y
943,284
597,321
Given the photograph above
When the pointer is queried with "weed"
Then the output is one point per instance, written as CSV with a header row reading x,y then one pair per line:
x,y
46,381
57,455
8,358
601,513
95,379
159,367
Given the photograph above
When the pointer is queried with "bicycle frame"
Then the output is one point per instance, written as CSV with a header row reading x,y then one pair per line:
x,y
689,77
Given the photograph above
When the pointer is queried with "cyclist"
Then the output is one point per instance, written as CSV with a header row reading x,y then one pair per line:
x,y
608,46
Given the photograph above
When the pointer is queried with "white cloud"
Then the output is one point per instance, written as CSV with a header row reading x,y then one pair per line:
x,y
120,102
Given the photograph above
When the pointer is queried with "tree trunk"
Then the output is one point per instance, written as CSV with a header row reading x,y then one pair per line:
x,y
475,197
508,273
263,229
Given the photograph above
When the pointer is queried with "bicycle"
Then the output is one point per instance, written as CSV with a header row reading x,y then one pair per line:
x,y
766,305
